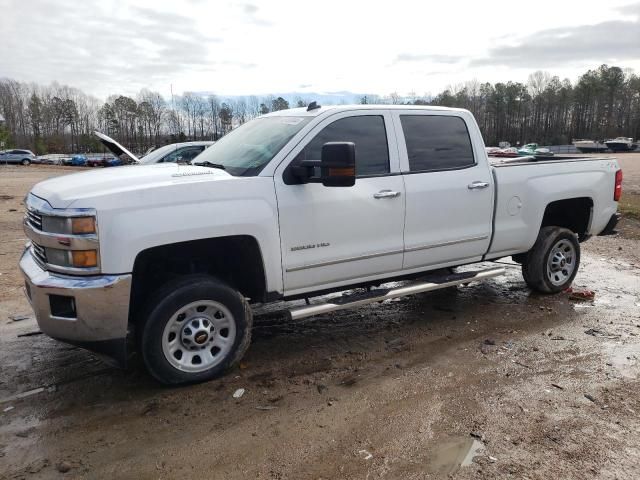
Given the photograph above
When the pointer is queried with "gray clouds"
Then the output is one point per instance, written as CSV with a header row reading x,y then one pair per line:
x,y
603,42
249,8
251,12
119,46
101,49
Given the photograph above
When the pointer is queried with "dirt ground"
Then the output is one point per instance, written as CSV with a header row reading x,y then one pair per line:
x,y
484,381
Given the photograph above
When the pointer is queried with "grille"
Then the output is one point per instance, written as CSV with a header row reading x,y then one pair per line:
x,y
39,254
34,219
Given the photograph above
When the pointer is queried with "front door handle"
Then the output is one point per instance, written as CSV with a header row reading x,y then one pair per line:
x,y
477,185
386,194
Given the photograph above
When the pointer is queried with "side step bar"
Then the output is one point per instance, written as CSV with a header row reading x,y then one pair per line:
x,y
434,282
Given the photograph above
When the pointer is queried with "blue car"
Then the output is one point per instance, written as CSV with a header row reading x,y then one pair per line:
x,y
114,162
79,161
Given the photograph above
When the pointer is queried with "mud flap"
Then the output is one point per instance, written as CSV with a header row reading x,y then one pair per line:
x,y
610,229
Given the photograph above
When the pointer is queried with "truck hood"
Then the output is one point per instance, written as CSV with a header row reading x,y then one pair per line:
x,y
80,189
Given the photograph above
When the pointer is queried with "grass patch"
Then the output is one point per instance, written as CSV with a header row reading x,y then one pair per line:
x,y
629,205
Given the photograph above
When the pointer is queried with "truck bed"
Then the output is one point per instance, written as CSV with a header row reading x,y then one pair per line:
x,y
523,193
516,161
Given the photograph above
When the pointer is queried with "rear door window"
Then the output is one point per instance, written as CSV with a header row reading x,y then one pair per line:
x,y
437,142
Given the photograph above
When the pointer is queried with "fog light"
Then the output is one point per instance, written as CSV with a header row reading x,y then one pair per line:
x,y
82,225
62,306
84,258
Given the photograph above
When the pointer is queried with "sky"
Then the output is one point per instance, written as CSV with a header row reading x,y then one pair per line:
x,y
268,46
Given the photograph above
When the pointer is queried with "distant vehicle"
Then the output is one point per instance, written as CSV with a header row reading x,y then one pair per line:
x,y
621,144
590,146
103,162
508,152
52,159
175,152
24,157
532,150
77,161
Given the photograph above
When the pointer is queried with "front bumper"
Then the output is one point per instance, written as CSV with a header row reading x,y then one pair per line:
x,y
97,316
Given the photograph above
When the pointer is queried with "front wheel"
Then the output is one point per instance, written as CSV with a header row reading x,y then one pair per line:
x,y
25,162
196,329
552,264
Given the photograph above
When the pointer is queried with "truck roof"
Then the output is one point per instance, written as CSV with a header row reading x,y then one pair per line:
x,y
303,112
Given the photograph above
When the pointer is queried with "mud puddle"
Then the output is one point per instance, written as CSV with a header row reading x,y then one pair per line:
x,y
452,454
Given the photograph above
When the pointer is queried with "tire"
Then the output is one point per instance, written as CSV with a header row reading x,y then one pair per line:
x,y
201,317
553,262
26,162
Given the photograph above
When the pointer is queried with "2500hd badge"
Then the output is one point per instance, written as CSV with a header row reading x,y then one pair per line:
x,y
312,245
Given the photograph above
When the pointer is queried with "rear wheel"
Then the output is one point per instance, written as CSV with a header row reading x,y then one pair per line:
x,y
196,329
552,264
25,161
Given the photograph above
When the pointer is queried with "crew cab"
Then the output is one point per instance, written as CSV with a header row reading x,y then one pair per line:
x,y
169,260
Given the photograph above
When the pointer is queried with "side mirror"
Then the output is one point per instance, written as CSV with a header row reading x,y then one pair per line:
x,y
338,164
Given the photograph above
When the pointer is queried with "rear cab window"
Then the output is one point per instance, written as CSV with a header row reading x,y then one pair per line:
x,y
436,142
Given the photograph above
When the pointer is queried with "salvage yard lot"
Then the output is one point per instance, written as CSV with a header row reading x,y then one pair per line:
x,y
530,386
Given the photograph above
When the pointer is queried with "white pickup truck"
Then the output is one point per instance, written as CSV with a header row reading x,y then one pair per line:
x,y
168,259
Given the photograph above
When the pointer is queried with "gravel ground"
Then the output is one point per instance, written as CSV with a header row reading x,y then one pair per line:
x,y
485,381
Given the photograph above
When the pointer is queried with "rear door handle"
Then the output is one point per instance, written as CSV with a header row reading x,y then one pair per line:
x,y
386,194
477,185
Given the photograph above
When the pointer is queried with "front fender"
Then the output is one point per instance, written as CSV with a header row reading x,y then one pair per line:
x,y
181,213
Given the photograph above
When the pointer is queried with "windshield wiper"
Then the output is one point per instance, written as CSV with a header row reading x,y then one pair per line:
x,y
211,165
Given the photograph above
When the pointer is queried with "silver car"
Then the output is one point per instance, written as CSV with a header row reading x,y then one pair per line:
x,y
25,157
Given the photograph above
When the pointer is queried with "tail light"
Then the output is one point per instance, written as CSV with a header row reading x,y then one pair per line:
x,y
617,191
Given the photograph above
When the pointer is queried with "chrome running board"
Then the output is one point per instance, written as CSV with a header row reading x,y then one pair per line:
x,y
434,282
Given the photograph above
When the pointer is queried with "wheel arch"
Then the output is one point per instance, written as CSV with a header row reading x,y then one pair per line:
x,y
572,213
236,260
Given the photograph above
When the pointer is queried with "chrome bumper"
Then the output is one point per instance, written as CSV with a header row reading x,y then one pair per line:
x,y
98,316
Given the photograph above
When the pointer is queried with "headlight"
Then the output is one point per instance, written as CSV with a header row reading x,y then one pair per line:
x,y
62,240
69,225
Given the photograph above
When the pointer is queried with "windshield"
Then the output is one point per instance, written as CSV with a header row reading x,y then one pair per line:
x,y
158,153
247,149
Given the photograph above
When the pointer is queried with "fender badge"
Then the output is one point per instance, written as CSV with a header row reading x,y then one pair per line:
x,y
190,174
310,246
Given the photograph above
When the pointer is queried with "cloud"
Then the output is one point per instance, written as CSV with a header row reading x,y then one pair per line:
x,y
102,50
435,58
614,40
249,8
251,12
232,63
633,9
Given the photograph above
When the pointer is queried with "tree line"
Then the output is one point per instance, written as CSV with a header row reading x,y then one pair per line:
x,y
61,119
603,103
